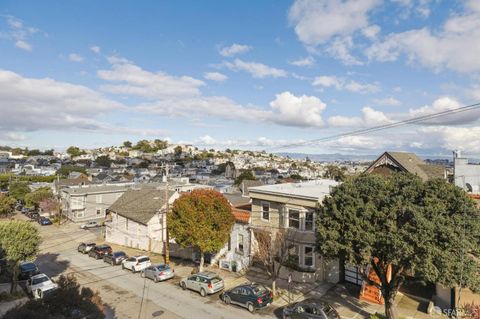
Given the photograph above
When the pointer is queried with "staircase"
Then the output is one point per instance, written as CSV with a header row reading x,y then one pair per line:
x,y
369,292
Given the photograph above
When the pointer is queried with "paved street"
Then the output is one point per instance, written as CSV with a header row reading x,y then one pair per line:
x,y
123,291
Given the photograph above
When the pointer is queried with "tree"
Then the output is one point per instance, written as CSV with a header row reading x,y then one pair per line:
x,y
127,144
248,175
34,199
68,301
160,145
335,172
74,151
400,225
50,205
273,252
7,205
202,219
144,146
65,170
177,151
19,241
18,190
104,161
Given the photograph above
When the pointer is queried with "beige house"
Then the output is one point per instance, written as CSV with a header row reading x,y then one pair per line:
x,y
90,202
292,209
138,219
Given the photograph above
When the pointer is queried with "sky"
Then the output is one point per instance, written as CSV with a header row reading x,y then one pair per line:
x,y
240,74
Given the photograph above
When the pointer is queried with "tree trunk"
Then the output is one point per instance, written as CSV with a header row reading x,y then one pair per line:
x,y
390,308
274,286
13,286
200,268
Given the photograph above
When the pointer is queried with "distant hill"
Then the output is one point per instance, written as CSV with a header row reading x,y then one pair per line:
x,y
351,157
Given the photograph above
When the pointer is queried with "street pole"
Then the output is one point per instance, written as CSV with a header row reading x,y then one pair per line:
x,y
167,237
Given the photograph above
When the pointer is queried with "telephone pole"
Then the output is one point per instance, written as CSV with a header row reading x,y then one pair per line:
x,y
167,237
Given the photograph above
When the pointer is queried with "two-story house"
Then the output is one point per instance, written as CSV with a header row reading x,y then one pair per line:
x,y
138,218
292,209
90,202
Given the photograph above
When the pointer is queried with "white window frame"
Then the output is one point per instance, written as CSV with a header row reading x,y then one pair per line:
x,y
299,218
240,239
304,256
98,211
98,199
305,220
262,211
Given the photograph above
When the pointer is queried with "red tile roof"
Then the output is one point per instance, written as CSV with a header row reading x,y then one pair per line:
x,y
241,216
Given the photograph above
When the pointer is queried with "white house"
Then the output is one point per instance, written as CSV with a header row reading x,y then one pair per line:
x,y
138,219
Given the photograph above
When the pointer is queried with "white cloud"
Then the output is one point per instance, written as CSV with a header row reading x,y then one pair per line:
x,y
257,70
234,49
12,137
316,21
36,104
215,76
371,31
389,101
340,48
454,138
443,49
95,49
370,117
207,140
308,61
18,32
342,84
74,57
443,104
130,79
298,110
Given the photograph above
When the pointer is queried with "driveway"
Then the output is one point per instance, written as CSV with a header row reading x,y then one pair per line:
x,y
126,295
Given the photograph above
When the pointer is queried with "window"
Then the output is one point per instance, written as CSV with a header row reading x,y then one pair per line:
x,y
266,211
309,220
293,254
98,199
99,211
293,219
240,243
308,256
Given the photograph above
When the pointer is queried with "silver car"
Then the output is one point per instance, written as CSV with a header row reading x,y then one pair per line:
x,y
206,283
158,272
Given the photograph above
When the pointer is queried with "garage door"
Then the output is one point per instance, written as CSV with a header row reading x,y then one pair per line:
x,y
353,275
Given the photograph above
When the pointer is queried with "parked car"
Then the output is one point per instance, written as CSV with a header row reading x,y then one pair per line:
x,y
251,296
33,215
203,283
136,263
158,272
38,284
27,270
84,248
97,252
90,224
44,221
311,309
25,210
115,258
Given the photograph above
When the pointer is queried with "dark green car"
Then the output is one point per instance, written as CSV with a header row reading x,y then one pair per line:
x,y
251,296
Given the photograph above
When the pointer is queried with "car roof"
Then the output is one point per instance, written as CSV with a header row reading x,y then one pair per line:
x,y
141,256
207,274
39,276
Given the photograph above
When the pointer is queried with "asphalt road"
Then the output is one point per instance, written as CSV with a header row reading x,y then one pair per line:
x,y
126,295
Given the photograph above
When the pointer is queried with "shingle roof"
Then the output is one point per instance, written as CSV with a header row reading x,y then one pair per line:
x,y
237,199
241,216
140,205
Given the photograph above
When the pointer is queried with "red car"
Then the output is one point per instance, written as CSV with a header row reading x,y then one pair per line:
x,y
97,252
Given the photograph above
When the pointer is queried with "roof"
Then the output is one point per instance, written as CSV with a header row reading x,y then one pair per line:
x,y
92,189
241,215
82,179
140,205
411,163
247,183
237,199
315,190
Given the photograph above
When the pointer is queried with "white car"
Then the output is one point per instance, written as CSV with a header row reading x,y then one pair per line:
x,y
39,284
136,263
90,224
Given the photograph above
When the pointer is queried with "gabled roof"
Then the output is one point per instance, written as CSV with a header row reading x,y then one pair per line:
x,y
241,216
140,205
410,163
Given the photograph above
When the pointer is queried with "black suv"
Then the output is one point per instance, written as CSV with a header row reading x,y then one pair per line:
x,y
27,270
251,296
85,247
97,252
115,258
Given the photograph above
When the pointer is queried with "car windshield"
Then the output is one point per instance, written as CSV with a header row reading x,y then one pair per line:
x,y
215,280
144,259
162,267
119,253
259,290
28,267
104,247
36,281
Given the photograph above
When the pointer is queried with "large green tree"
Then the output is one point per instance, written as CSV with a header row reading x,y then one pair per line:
x,y
202,219
74,151
34,199
246,175
104,161
18,190
335,172
19,241
7,205
65,170
68,301
429,230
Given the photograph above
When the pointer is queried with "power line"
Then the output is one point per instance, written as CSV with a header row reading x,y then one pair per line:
x,y
414,120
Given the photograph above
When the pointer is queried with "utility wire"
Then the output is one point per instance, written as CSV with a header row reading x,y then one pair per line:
x,y
414,120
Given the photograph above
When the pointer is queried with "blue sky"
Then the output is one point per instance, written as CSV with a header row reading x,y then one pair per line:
x,y
239,74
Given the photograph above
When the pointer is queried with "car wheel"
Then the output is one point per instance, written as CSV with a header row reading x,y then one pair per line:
x,y
112,263
250,307
133,269
227,300
155,279
203,293
142,274
123,266
182,284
